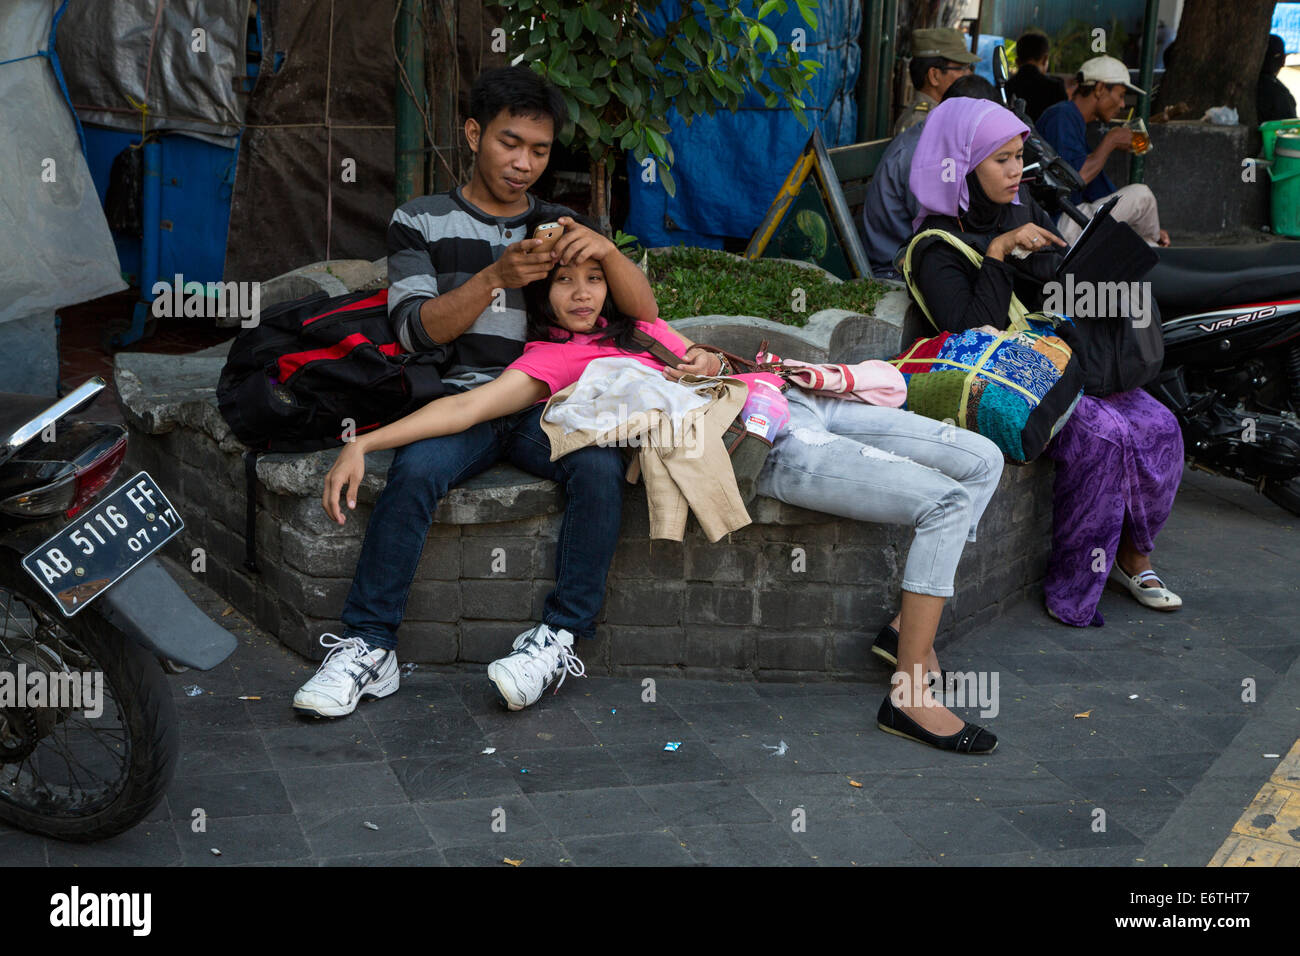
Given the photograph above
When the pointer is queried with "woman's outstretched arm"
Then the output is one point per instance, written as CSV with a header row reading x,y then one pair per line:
x,y
513,391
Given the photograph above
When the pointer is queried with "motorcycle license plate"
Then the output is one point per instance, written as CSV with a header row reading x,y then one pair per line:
x,y
90,555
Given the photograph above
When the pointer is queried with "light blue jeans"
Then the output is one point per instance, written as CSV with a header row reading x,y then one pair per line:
x,y
889,466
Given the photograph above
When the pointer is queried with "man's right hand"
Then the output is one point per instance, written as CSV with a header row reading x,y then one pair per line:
x,y
519,265
1121,138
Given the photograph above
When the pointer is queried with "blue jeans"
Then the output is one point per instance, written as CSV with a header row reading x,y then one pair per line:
x,y
423,472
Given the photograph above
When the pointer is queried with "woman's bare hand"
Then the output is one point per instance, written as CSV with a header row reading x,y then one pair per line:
x,y
1030,237
346,475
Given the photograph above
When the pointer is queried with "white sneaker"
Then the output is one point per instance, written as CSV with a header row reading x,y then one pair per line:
x,y
350,671
540,656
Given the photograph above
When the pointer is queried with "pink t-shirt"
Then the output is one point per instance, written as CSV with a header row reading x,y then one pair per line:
x,y
559,364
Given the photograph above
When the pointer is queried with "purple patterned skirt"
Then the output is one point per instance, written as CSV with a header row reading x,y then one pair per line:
x,y
1119,460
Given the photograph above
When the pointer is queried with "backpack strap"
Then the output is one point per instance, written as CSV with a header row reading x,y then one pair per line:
x,y
1017,313
648,343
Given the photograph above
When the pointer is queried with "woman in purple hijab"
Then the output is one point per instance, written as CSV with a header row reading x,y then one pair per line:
x,y
1119,458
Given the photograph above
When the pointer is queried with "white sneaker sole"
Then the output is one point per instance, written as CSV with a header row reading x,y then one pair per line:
x,y
506,688
376,690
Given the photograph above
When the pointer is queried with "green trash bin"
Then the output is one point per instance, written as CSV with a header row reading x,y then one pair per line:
x,y
1285,173
1272,129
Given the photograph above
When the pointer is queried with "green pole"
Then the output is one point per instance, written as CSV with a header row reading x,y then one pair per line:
x,y
1146,77
408,135
885,78
870,69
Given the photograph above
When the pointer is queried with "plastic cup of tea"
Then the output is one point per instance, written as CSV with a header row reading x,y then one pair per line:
x,y
1141,138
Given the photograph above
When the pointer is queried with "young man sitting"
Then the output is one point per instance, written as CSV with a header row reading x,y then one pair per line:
x,y
457,264
1100,96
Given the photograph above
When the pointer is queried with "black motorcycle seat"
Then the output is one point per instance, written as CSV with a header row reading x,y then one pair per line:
x,y
1194,279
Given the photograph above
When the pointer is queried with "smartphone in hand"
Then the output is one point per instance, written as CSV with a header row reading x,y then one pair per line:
x,y
550,233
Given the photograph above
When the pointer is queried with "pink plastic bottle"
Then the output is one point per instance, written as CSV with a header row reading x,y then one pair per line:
x,y
766,411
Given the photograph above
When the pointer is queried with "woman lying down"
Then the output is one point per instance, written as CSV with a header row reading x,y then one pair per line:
x,y
858,461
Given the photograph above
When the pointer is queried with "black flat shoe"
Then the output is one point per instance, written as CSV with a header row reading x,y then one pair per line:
x,y
886,648
886,645
971,739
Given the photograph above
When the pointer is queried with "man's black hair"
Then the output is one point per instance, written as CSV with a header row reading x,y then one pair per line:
x,y
1031,47
973,87
920,66
518,90
1274,54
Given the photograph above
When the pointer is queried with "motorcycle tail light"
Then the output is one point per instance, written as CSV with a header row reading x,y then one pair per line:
x,y
91,478
48,499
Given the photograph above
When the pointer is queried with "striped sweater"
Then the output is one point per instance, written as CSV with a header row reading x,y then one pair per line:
x,y
435,244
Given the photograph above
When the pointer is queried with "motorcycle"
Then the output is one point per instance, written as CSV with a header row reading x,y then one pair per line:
x,y
89,622
1230,318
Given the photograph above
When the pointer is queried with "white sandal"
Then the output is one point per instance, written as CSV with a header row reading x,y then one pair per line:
x,y
1158,598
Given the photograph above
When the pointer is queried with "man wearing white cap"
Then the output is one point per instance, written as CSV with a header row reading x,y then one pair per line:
x,y
1103,81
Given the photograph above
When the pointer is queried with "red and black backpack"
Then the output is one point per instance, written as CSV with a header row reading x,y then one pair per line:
x,y
315,367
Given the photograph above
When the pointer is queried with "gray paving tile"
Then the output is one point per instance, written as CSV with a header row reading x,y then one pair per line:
x,y
744,844
211,714
999,784
868,839
826,714
1067,827
1125,855
821,796
749,757
704,804
534,729
649,763
779,690
425,857
1183,770
573,768
1118,779
432,735
22,849
638,724
336,832
428,696
593,812
901,791
972,830
147,844
428,780
482,822
1190,695
316,743
348,785
732,717
260,839
675,691
593,695
1219,730
653,848
1045,667
531,853
222,753
230,795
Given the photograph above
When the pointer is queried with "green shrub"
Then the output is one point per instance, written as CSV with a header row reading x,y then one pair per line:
x,y
689,281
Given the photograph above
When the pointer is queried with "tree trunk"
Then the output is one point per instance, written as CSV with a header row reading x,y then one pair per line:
x,y
1217,56
600,194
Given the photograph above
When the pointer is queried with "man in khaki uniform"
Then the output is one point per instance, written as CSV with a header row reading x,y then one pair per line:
x,y
938,57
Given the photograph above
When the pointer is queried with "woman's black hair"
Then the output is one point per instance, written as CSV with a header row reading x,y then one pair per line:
x,y
542,325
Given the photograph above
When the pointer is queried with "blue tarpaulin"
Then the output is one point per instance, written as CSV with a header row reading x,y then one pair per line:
x,y
1286,24
729,166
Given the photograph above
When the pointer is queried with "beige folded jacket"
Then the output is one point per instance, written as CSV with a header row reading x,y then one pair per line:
x,y
692,475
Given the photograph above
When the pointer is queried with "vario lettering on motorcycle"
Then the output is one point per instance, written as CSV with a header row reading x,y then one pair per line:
x,y
1235,320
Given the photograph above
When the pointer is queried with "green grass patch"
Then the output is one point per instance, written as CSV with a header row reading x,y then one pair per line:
x,y
689,281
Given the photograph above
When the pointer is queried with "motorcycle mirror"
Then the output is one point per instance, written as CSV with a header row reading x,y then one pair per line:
x,y
1000,70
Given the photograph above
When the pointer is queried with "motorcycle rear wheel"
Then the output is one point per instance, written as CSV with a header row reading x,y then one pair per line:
x,y
1284,493
64,774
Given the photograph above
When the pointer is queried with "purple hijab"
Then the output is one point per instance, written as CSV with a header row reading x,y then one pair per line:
x,y
959,134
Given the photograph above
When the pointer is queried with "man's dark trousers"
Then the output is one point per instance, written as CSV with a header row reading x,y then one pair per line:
x,y
422,473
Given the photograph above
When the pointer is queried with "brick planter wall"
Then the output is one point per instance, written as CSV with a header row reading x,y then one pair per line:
x,y
744,607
